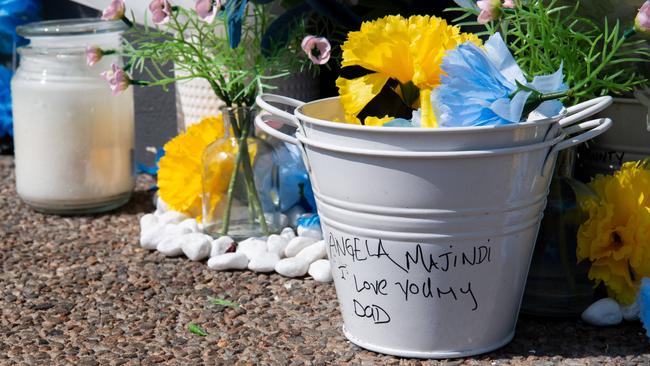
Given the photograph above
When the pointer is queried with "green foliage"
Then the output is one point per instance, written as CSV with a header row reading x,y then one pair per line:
x,y
193,328
542,34
223,302
198,49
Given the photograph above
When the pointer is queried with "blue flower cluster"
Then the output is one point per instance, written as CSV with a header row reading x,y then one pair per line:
x,y
482,87
12,14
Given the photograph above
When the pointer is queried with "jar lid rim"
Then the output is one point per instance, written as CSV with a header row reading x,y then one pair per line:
x,y
70,27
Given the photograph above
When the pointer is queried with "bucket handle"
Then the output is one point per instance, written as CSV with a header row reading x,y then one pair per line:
x,y
261,122
594,128
264,100
585,109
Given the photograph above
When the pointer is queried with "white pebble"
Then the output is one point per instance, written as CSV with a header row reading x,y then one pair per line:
x,y
263,262
196,246
310,232
220,245
228,261
172,217
151,238
297,244
161,206
147,222
252,247
603,312
171,246
313,252
321,270
190,224
292,267
288,233
631,312
277,244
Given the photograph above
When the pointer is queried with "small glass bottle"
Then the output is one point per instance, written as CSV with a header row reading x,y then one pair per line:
x,y
73,140
240,202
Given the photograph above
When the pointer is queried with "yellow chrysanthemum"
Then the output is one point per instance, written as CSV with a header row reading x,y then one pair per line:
x,y
179,174
405,50
616,236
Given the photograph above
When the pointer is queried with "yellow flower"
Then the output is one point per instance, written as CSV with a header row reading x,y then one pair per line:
x,y
406,51
616,236
179,174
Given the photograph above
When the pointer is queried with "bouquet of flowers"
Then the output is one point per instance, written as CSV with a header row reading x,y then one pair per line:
x,y
223,44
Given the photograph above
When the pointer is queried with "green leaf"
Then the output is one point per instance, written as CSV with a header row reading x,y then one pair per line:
x,y
223,302
193,328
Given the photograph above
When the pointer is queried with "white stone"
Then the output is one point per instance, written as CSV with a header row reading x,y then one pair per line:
x,y
631,312
313,252
172,217
603,312
221,245
153,236
190,224
147,222
321,270
277,244
313,231
297,244
294,214
288,233
228,261
263,262
161,206
196,246
171,246
252,247
292,267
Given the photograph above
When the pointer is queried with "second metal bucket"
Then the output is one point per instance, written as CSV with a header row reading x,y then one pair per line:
x,y
430,250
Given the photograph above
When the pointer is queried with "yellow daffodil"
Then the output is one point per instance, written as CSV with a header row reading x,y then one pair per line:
x,y
616,236
179,174
402,54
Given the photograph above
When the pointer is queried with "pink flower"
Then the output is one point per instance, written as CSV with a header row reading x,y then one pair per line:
x,y
642,21
117,79
161,11
207,9
510,4
93,55
115,11
490,10
320,44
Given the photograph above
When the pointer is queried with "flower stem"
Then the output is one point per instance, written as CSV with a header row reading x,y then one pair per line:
x,y
231,188
248,174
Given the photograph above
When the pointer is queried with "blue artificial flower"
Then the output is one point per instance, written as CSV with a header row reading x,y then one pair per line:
x,y
481,87
293,180
6,120
644,304
309,221
12,14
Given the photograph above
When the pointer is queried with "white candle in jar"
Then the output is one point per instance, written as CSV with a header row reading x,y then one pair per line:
x,y
73,139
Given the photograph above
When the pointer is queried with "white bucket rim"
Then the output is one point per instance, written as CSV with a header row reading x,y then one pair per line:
x,y
496,232
430,154
419,130
422,212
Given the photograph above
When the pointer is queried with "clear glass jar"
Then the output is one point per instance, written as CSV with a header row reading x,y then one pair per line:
x,y
240,202
73,140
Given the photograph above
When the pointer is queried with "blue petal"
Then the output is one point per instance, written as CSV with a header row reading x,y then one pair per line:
x,y
399,122
550,83
511,109
502,59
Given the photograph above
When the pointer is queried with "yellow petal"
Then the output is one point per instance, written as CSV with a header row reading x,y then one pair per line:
x,y
357,93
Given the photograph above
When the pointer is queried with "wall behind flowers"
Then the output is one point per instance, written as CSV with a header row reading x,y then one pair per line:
x,y
155,109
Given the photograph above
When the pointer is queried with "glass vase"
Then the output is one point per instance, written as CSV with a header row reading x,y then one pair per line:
x,y
557,285
240,180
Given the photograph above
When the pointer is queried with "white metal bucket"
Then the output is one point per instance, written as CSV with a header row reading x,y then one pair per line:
x,y
315,121
430,250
